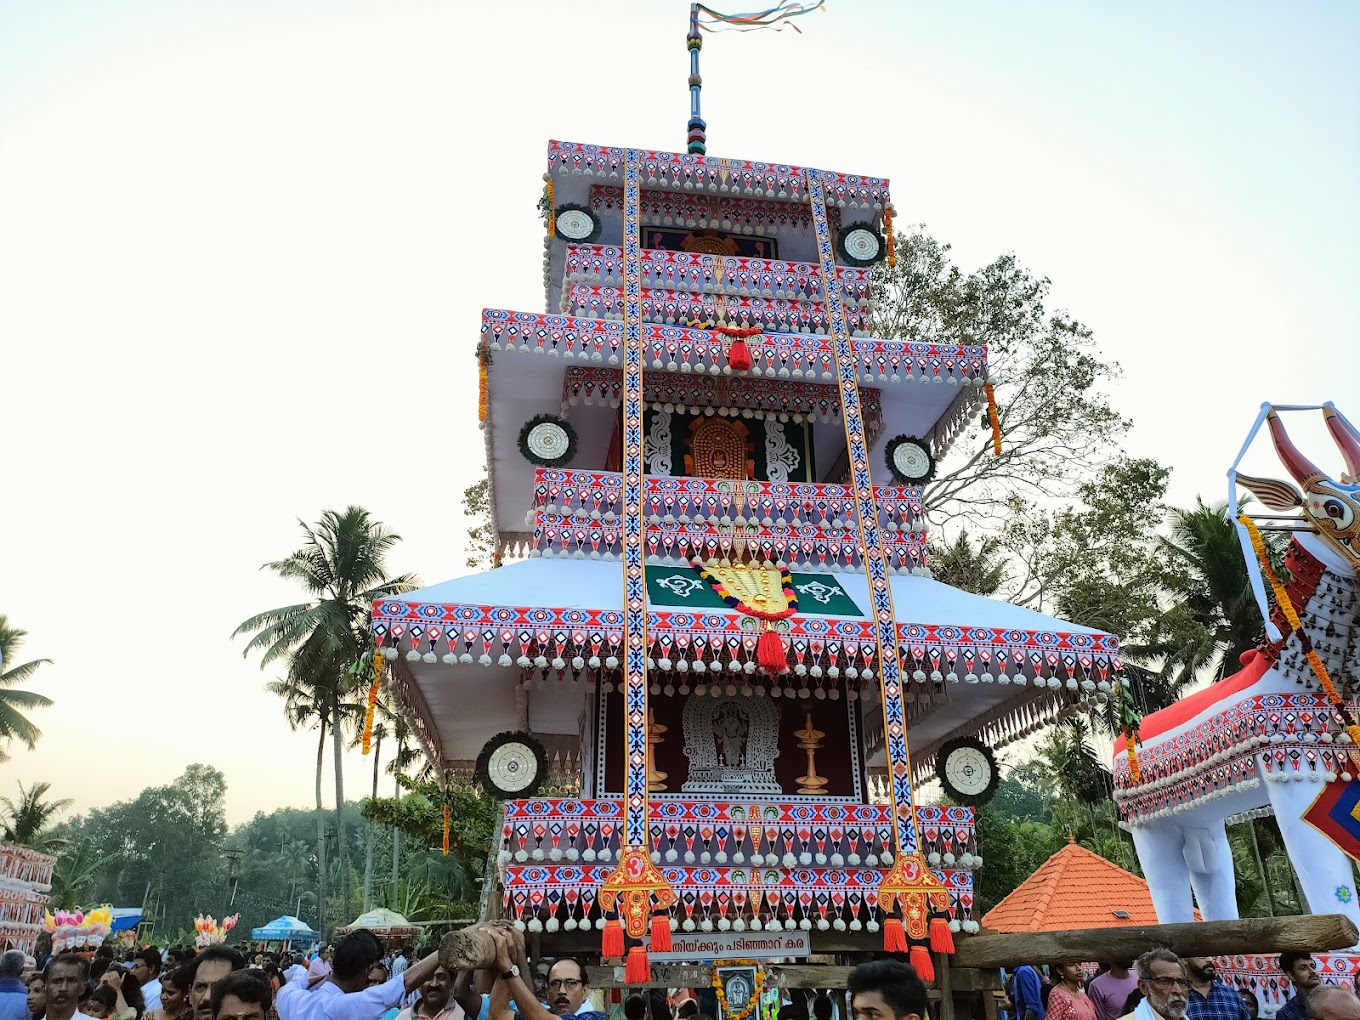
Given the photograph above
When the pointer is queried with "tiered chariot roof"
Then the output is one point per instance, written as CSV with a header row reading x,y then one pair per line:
x,y
552,623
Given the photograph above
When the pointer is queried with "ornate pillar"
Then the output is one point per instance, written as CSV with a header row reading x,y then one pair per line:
x,y
909,886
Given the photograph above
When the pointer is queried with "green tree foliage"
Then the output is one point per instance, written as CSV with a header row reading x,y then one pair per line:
x,y
327,641
15,704
419,815
30,820
78,869
482,552
1056,419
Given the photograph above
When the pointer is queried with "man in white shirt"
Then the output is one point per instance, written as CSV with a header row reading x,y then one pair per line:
x,y
297,973
66,976
146,971
345,994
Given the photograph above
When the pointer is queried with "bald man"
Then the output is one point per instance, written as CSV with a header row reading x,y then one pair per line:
x,y
1333,1002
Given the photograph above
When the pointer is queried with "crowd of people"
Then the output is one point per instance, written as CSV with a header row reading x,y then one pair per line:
x,y
1164,986
358,979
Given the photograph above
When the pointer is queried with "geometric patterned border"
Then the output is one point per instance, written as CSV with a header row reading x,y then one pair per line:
x,y
866,513
742,176
681,348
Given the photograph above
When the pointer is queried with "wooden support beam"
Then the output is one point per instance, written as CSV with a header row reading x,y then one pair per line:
x,y
1311,933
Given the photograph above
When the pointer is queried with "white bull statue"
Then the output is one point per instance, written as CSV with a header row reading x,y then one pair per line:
x,y
1267,738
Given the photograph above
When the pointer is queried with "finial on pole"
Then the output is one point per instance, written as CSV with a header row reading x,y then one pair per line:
x,y
697,137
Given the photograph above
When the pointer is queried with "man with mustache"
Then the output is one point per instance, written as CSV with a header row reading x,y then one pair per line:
x,y
1301,969
1210,998
567,986
1165,988
66,976
210,967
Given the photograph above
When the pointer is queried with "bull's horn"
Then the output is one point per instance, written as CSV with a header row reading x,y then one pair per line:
x,y
1299,466
1346,438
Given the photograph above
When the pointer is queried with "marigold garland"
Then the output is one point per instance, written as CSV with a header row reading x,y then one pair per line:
x,y
1286,605
1130,738
888,236
732,602
552,208
483,360
741,1012
372,700
993,419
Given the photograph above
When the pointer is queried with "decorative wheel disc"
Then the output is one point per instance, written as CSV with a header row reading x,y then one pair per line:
x,y
862,244
575,224
911,459
512,766
548,440
967,770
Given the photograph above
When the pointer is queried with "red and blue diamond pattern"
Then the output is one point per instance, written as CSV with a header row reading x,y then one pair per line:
x,y
866,510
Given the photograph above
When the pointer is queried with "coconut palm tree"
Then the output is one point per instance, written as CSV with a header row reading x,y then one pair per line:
x,y
326,640
77,870
1213,617
28,820
980,569
14,724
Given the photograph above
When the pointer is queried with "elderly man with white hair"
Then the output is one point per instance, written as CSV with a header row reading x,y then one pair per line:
x,y
1333,1002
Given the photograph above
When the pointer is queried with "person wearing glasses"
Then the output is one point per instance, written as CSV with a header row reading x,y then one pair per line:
x,y
1301,969
567,986
1164,984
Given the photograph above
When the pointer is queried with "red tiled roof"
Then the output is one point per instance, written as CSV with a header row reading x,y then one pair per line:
x,y
1074,888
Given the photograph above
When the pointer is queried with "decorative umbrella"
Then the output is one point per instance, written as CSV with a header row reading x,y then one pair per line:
x,y
382,922
285,929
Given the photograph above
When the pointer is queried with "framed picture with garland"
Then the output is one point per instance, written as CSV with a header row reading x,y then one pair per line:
x,y
738,987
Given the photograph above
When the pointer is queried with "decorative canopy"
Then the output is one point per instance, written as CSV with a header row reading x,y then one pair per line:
x,y
478,633
381,921
285,929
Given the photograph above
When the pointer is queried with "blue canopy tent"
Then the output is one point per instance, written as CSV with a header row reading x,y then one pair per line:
x,y
125,917
285,929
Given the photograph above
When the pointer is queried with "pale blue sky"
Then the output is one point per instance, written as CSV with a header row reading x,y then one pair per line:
x,y
231,231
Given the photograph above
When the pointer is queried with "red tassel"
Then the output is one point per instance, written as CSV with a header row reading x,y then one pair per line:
x,y
611,942
739,356
661,933
636,970
771,655
941,938
925,966
894,936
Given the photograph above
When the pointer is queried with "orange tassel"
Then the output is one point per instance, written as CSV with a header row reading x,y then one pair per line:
x,y
661,933
446,830
739,356
367,738
925,966
611,943
888,236
941,938
636,969
894,936
993,419
771,654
